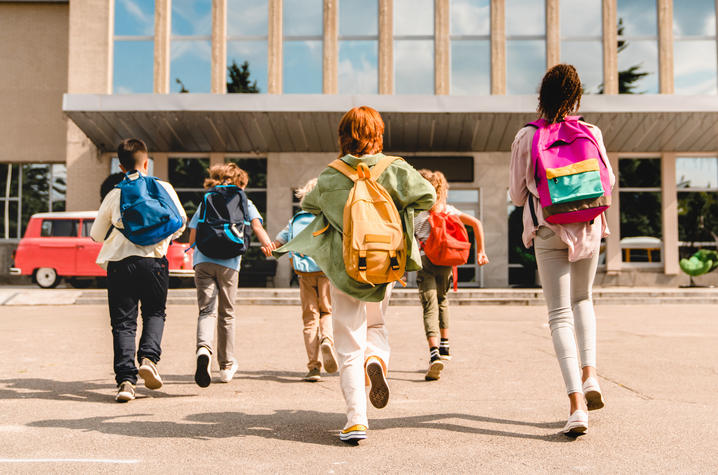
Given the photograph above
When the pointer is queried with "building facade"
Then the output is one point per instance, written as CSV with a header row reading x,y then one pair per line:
x,y
453,79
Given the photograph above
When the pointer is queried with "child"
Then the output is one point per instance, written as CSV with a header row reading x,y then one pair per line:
x,y
314,293
433,280
216,281
134,273
359,309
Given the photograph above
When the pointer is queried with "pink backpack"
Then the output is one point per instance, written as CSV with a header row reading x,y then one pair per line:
x,y
572,178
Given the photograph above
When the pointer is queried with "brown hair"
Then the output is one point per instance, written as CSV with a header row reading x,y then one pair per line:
x,y
560,93
361,132
226,174
131,152
440,184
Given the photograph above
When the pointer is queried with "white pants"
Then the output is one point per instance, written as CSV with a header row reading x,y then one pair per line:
x,y
567,290
359,333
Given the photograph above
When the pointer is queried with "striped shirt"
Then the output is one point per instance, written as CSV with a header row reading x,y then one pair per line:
x,y
422,228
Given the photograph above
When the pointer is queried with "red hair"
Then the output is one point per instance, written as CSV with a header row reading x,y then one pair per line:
x,y
361,132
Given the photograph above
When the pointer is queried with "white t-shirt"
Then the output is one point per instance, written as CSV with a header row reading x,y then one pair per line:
x,y
422,227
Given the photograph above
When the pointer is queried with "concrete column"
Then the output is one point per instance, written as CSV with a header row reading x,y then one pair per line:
x,y
614,256
219,47
442,58
669,201
665,46
553,33
330,71
610,47
89,72
274,48
160,165
216,159
386,46
163,30
498,47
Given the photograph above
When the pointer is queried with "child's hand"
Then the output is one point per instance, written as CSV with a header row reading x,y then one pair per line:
x,y
481,258
268,248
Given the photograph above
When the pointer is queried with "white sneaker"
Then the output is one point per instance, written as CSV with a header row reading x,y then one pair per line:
x,y
592,392
202,375
577,423
226,375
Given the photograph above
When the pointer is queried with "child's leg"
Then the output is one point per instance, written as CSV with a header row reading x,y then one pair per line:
x,y
227,293
442,277
377,334
206,284
325,307
153,279
429,302
350,336
123,318
310,316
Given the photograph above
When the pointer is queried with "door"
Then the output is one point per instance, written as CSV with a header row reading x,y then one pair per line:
x,y
57,245
467,201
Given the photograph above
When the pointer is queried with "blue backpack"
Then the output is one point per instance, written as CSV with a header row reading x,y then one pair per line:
x,y
300,262
148,213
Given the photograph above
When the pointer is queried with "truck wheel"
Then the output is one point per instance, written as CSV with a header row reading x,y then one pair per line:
x,y
46,277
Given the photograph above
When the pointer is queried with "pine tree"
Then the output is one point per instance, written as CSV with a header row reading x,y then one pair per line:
x,y
628,77
183,90
239,81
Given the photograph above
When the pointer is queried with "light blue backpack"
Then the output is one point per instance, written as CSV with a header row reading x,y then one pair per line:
x,y
300,262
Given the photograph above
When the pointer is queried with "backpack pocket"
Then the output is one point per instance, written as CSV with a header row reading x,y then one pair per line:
x,y
578,181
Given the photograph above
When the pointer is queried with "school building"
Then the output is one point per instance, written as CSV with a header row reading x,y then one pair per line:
x,y
453,79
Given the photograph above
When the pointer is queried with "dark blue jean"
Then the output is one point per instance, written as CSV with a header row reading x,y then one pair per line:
x,y
131,281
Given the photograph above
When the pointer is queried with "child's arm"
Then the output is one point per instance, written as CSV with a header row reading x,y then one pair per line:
x,y
265,241
469,220
103,222
192,236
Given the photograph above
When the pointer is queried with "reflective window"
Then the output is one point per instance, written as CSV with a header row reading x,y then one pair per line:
x,y
358,46
697,173
133,55
470,47
414,46
187,177
694,50
581,41
247,45
641,212
637,47
191,46
59,228
525,45
303,29
697,182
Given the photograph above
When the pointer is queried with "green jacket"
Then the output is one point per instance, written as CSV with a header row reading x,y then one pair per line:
x,y
409,190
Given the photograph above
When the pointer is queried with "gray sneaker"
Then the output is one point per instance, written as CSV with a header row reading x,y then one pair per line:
x,y
328,358
125,392
313,376
148,372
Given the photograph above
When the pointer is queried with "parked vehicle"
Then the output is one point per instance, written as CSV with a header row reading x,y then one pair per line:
x,y
58,245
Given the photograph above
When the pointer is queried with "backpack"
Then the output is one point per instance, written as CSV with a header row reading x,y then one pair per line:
x,y
374,247
448,242
301,262
149,215
223,231
572,177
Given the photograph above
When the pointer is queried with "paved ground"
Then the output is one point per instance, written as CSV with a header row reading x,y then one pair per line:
x,y
498,407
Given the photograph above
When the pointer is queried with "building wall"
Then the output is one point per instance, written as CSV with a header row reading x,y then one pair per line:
x,y
33,55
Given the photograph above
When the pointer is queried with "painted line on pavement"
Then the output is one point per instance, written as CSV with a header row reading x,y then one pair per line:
x,y
116,461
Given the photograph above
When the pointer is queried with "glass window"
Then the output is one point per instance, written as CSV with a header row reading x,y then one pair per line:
x,y
637,47
86,227
59,228
247,17
697,182
641,212
694,51
358,47
470,47
133,56
303,41
525,45
191,46
247,42
581,41
187,177
414,46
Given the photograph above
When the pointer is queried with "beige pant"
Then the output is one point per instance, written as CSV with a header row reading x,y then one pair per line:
x,y
216,285
434,283
316,313
359,333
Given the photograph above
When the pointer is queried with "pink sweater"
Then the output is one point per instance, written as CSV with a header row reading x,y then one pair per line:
x,y
582,239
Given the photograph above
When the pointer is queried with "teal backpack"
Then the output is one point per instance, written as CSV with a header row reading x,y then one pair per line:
x,y
301,262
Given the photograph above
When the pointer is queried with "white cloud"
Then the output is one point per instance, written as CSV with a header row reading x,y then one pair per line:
x,y
144,19
247,17
197,13
124,90
581,18
414,67
413,17
357,74
525,17
197,50
470,17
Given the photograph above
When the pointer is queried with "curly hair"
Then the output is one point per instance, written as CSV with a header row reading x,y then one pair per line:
x,y
361,132
440,184
560,93
226,174
300,193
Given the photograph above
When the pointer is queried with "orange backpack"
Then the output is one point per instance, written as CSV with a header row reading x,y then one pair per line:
x,y
374,247
448,242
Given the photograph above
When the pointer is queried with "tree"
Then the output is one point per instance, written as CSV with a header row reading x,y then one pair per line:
x,y
183,90
239,81
628,77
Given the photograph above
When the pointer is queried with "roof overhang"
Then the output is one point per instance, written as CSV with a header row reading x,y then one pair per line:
x,y
307,123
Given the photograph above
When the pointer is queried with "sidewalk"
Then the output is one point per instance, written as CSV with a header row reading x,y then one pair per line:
x,y
497,408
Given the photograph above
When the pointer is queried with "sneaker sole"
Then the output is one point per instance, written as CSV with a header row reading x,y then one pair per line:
x,y
352,437
575,430
434,372
379,392
124,397
151,378
594,400
330,362
201,374
445,357
313,379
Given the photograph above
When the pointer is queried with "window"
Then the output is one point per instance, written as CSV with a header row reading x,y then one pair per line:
x,y
470,47
694,51
414,46
641,212
525,45
187,177
86,227
358,47
467,201
134,47
191,46
303,22
637,46
59,228
27,189
581,41
697,183
247,40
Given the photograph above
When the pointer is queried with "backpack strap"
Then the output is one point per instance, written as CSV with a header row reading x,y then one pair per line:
x,y
342,167
382,165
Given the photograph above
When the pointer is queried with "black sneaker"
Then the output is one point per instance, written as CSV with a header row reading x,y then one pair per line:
x,y
125,392
444,352
148,372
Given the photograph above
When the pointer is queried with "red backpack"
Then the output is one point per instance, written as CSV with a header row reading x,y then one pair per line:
x,y
448,242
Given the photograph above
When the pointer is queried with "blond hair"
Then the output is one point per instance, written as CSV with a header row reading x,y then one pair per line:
x,y
300,193
226,174
440,184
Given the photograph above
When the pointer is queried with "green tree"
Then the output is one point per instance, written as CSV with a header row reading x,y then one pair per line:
x,y
183,90
239,81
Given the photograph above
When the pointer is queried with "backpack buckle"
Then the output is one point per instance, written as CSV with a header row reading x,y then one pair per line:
x,y
362,263
394,263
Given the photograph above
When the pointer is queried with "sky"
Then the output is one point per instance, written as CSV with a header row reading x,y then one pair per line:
x,y
695,56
